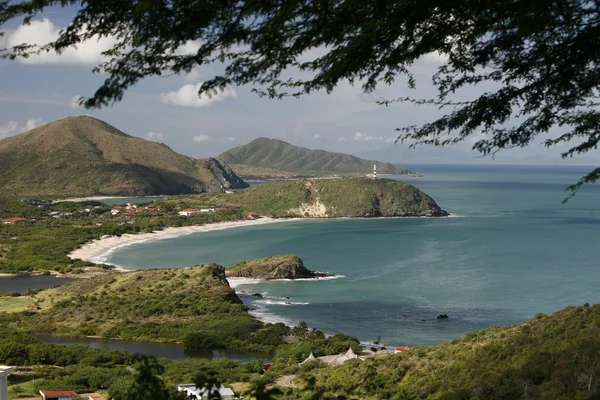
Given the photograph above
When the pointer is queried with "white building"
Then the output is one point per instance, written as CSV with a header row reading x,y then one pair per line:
x,y
192,392
189,211
4,371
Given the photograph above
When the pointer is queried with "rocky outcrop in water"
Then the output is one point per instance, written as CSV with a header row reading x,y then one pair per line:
x,y
286,266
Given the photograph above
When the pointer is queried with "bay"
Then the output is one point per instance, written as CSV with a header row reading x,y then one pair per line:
x,y
511,249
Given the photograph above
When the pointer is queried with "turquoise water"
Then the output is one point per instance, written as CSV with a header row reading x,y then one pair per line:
x,y
510,250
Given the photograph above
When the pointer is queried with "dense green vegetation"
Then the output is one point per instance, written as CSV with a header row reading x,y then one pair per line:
x,y
80,156
548,357
287,158
345,197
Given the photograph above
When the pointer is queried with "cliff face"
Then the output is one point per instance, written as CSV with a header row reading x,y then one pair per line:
x,y
223,176
275,267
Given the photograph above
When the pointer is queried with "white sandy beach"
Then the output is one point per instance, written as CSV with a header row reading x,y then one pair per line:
x,y
97,250
93,198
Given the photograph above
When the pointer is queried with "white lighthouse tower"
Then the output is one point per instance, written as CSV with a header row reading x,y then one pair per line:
x,y
375,172
4,371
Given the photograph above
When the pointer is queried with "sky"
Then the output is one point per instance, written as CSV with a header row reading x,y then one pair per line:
x,y
44,88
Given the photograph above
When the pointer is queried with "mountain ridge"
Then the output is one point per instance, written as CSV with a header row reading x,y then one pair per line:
x,y
283,156
86,156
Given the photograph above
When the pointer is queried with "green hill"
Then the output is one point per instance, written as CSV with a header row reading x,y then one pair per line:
x,y
344,197
86,156
548,357
282,156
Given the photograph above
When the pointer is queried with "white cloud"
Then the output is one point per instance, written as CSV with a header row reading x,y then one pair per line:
x,y
155,136
32,123
362,137
203,138
341,139
187,96
12,128
44,31
207,138
189,47
316,136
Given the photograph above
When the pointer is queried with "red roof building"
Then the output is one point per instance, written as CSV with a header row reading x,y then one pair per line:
x,y
401,349
57,394
14,220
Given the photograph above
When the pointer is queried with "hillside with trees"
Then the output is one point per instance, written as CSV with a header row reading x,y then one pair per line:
x,y
344,197
83,156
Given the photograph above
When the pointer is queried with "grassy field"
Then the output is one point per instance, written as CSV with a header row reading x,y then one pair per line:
x,y
20,386
14,304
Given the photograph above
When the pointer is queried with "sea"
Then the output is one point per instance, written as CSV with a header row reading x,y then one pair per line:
x,y
509,250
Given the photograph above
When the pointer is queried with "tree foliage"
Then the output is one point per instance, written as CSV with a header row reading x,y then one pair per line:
x,y
539,58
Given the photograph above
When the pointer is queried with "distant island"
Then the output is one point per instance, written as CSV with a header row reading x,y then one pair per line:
x,y
265,158
83,156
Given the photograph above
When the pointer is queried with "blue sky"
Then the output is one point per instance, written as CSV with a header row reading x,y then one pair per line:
x,y
41,89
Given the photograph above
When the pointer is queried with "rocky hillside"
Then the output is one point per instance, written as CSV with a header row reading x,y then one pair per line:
x,y
85,156
286,266
344,197
278,155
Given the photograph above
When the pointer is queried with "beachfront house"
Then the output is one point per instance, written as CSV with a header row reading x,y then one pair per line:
x,y
250,214
192,392
401,349
189,211
207,210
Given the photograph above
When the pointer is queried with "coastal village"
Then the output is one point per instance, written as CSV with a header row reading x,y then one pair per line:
x,y
126,210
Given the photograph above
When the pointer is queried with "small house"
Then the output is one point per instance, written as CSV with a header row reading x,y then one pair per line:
x,y
189,211
192,392
207,210
32,307
57,394
401,349
250,214
115,210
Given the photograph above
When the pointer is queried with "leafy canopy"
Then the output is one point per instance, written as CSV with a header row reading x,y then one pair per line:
x,y
540,57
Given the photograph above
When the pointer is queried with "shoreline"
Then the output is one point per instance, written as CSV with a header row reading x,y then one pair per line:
x,y
97,250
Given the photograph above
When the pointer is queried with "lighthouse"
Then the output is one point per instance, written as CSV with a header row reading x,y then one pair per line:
x,y
375,172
